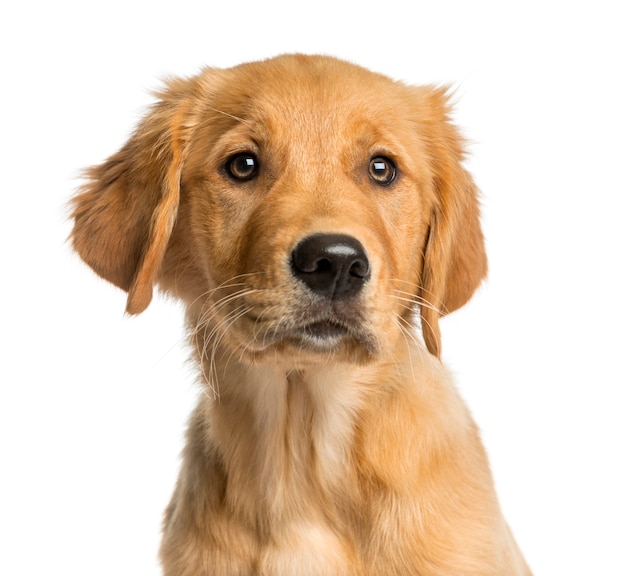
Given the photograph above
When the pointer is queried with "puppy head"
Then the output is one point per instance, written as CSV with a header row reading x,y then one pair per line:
x,y
233,170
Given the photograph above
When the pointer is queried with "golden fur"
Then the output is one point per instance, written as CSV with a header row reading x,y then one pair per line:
x,y
330,440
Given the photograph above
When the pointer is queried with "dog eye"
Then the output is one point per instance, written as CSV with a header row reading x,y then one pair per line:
x,y
242,166
382,170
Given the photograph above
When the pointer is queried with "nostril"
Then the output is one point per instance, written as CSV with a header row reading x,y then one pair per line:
x,y
331,265
360,269
307,263
323,265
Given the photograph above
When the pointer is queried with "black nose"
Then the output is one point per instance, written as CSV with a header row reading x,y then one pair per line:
x,y
331,265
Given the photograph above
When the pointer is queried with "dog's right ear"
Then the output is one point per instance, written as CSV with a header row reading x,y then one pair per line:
x,y
125,212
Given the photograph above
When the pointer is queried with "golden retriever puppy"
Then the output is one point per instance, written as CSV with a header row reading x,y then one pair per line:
x,y
316,220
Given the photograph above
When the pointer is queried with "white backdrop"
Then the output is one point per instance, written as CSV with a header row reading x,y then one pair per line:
x,y
93,404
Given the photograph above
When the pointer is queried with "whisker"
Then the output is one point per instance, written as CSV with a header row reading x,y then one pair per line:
x,y
432,301
221,330
416,300
408,331
211,343
214,323
406,335
230,283
228,115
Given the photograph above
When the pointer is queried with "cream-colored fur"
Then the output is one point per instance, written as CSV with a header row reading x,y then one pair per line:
x,y
330,439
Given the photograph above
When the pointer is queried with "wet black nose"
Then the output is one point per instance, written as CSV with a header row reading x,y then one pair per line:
x,y
331,265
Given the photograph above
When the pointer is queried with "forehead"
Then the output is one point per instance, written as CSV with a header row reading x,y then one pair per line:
x,y
308,82
301,99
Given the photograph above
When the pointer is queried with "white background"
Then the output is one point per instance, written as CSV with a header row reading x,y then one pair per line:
x,y
93,404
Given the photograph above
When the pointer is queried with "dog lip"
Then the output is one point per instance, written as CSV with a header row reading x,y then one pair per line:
x,y
321,334
324,330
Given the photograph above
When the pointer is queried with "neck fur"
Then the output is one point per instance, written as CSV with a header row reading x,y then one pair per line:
x,y
284,435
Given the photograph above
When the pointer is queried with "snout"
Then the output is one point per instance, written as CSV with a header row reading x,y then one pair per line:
x,y
318,295
330,271
333,266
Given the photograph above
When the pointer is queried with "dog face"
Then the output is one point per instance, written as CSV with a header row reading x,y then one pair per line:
x,y
297,204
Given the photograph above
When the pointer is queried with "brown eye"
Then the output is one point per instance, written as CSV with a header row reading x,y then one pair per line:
x,y
243,166
382,170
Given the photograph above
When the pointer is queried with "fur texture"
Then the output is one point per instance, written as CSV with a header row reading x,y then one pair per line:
x,y
330,439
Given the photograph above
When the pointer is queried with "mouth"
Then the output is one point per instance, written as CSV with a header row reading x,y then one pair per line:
x,y
324,333
324,330
328,336
318,335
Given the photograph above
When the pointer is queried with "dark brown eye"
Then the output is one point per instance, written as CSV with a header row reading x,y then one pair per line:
x,y
382,170
243,166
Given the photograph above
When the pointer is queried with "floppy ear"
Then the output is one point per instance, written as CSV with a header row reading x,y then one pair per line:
x,y
455,261
125,212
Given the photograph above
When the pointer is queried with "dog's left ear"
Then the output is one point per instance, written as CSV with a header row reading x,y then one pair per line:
x,y
455,261
125,213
